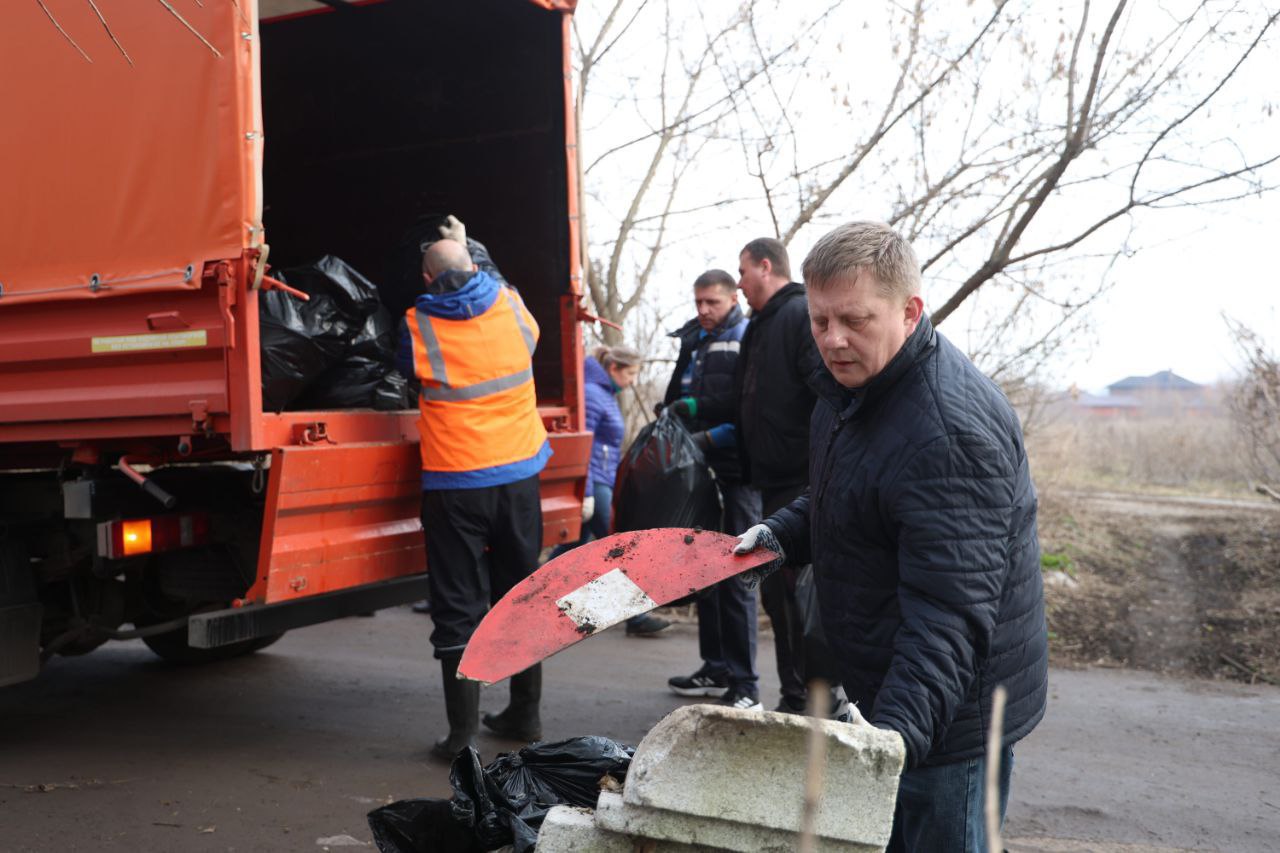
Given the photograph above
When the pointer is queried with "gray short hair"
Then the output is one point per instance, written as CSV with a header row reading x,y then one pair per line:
x,y
872,246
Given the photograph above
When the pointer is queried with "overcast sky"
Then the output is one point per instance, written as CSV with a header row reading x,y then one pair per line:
x,y
1165,303
1165,311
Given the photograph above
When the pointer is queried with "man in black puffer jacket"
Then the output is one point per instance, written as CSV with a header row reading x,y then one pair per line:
x,y
920,522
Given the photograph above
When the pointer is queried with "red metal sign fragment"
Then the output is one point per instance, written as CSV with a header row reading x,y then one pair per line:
x,y
595,586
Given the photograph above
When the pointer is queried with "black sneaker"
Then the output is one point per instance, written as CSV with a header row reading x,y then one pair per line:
x,y
699,684
741,701
841,710
788,706
646,625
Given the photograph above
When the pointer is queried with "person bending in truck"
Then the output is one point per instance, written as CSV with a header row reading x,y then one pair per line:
x,y
920,522
702,381
469,342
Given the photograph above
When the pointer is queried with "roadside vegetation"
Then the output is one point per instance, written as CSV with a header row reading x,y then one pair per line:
x,y
1157,552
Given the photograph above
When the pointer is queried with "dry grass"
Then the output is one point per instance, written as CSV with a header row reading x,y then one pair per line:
x,y
1200,455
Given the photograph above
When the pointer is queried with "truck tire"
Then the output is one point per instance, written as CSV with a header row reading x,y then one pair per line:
x,y
172,647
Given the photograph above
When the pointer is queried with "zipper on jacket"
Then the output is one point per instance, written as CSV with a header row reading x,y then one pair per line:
x,y
826,461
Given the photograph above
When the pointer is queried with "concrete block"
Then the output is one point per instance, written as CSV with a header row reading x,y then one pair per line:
x,y
570,830
566,829
735,780
663,827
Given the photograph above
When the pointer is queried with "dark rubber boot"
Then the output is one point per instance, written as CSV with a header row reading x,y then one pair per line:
x,y
521,720
462,707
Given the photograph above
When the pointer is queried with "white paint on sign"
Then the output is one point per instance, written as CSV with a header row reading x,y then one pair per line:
x,y
605,601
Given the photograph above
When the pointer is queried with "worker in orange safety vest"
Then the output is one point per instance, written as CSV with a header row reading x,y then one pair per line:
x,y
469,342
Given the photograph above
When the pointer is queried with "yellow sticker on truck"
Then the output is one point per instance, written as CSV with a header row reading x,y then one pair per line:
x,y
156,340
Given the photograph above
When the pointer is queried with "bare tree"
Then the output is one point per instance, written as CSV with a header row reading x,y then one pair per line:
x,y
966,153
1020,146
677,105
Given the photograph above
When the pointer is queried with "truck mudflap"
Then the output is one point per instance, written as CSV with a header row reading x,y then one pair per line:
x,y
224,627
20,615
19,643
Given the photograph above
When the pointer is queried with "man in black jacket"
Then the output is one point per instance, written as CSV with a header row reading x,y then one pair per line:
x,y
920,522
773,396
703,381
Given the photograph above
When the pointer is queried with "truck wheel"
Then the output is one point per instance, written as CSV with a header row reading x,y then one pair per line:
x,y
172,646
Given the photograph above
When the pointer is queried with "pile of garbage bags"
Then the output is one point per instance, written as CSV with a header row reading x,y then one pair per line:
x,y
334,351
504,802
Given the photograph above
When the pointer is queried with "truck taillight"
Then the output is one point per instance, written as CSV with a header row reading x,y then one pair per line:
x,y
133,536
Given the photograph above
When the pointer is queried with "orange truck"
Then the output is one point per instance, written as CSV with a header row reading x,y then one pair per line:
x,y
150,156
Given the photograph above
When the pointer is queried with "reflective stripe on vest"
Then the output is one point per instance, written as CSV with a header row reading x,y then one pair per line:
x,y
480,389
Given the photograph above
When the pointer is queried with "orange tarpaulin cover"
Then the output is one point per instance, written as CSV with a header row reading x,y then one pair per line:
x,y
282,8
129,173
130,144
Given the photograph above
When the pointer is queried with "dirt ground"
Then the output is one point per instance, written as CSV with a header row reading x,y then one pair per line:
x,y
1177,585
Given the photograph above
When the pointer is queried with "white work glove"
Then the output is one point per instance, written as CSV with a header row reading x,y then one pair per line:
x,y
759,536
588,508
453,229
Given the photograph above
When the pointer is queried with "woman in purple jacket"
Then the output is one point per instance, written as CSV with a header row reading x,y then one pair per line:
x,y
606,372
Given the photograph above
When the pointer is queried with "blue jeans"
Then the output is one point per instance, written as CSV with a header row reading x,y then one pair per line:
x,y
940,808
598,526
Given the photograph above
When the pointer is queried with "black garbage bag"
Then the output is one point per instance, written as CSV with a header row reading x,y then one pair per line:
x,y
391,394
361,378
480,803
420,826
807,605
505,802
330,352
350,384
664,481
377,338
300,341
565,772
818,657
355,297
